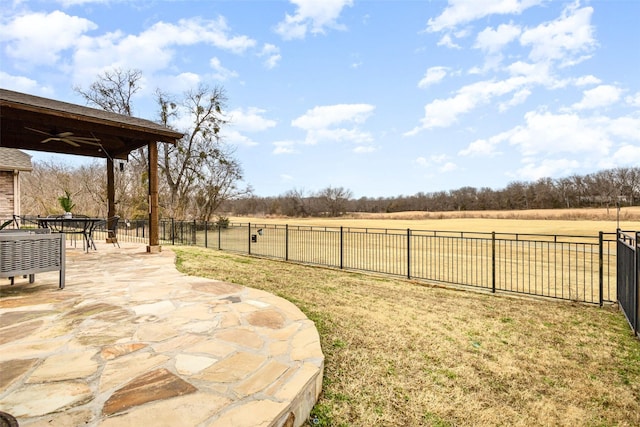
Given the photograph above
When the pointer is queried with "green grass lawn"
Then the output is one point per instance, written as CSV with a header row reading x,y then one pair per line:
x,y
404,354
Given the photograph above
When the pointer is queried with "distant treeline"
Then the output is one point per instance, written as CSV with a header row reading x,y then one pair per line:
x,y
607,188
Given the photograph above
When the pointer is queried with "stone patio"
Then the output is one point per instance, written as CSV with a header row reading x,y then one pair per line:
x,y
130,340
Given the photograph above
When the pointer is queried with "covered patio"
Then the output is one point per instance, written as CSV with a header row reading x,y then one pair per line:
x,y
31,122
130,340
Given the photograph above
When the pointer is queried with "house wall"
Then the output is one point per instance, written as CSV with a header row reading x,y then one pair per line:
x,y
7,194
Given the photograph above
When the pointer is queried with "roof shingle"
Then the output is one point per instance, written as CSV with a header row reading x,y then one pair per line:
x,y
13,159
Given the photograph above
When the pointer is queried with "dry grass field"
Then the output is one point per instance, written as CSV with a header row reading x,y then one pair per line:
x,y
403,354
544,221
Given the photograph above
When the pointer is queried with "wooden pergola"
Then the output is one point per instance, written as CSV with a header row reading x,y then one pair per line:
x,y
34,123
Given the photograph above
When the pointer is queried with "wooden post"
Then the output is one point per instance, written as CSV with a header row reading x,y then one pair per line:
x,y
154,240
111,195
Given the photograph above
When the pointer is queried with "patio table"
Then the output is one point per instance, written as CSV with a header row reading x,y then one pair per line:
x,y
73,225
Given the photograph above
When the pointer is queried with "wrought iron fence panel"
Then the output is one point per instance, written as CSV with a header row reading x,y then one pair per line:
x,y
380,251
628,287
578,268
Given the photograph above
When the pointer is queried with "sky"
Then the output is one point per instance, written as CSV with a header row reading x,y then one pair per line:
x,y
382,98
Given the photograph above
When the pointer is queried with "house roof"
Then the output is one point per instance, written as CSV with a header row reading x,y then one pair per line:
x,y
34,123
12,159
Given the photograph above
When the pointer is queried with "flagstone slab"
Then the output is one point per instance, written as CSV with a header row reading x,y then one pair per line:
x,y
151,386
233,368
19,331
112,352
271,319
40,399
262,378
188,410
217,288
259,413
11,370
121,370
66,366
243,336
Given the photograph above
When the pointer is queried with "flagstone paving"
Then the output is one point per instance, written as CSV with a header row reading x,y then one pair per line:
x,y
130,341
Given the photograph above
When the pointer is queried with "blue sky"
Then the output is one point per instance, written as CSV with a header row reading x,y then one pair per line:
x,y
383,98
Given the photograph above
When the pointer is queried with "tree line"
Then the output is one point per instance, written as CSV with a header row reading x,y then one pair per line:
x,y
607,188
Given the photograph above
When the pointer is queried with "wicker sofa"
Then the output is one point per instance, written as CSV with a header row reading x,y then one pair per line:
x,y
27,253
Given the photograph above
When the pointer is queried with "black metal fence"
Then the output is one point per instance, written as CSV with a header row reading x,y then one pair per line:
x,y
628,273
576,268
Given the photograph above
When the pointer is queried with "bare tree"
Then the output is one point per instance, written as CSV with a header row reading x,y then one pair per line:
x,y
113,90
200,171
221,176
334,200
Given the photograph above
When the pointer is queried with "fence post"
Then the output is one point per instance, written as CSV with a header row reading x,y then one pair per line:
x,y
341,248
249,238
493,262
636,274
286,242
601,267
194,235
220,236
173,232
206,234
408,253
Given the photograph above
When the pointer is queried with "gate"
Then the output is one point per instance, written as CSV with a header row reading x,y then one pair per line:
x,y
628,277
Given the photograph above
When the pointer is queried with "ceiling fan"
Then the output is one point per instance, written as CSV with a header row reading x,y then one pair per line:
x,y
67,137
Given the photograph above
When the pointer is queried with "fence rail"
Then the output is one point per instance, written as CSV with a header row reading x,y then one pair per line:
x,y
576,268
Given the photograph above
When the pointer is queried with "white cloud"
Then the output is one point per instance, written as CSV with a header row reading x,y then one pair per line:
x,y
484,147
432,76
272,54
234,137
23,84
448,167
600,96
447,41
625,128
464,11
440,161
250,120
68,3
337,135
633,100
39,38
284,147
547,133
625,155
311,16
363,149
325,116
587,80
221,73
445,112
492,41
242,121
565,39
518,98
546,168
179,83
153,49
